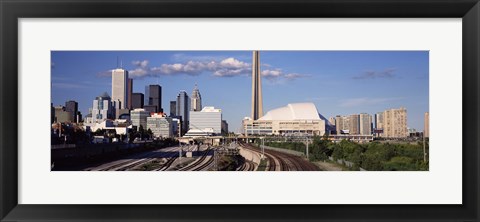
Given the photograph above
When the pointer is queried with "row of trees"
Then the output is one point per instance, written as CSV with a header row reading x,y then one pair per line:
x,y
373,156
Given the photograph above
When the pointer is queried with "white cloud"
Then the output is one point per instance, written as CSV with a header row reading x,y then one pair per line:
x,y
142,64
228,67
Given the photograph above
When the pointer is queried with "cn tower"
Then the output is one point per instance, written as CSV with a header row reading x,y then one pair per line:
x,y
257,103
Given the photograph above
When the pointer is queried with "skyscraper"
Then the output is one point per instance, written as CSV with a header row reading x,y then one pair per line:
x,y
153,96
137,100
119,87
426,125
182,110
257,103
129,93
102,108
196,101
72,107
173,108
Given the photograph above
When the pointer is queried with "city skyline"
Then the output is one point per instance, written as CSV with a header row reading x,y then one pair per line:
x,y
337,82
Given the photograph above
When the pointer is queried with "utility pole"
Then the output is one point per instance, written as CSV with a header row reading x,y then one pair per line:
x,y
262,144
424,149
307,146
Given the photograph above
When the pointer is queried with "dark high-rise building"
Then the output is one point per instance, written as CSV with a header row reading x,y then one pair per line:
x,y
173,108
137,100
153,94
129,93
183,110
151,108
72,107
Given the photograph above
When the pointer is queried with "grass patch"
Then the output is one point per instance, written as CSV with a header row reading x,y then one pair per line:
x,y
155,164
263,165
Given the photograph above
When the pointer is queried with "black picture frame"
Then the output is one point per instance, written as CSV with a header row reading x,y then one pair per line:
x,y
11,11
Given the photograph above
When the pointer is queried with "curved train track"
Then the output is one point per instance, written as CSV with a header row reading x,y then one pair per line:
x,y
198,164
279,161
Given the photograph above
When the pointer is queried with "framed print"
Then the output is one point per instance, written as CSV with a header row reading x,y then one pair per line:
x,y
154,107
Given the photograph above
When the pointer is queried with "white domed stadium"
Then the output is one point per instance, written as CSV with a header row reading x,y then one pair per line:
x,y
295,118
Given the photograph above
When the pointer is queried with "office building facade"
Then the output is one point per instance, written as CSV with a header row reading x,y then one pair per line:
x,y
173,108
183,110
129,93
102,108
72,107
207,118
120,87
139,118
153,96
160,125
137,100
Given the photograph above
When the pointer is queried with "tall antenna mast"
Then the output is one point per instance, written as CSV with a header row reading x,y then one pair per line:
x,y
117,62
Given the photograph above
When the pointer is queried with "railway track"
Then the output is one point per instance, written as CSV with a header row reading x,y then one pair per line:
x,y
197,165
247,166
282,161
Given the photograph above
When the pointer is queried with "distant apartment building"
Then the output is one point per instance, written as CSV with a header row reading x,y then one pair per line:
x,y
160,125
332,121
365,124
354,124
378,129
426,125
354,121
139,118
342,124
395,123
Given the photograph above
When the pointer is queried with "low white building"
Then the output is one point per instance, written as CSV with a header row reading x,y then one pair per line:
x,y
121,126
294,118
208,118
200,132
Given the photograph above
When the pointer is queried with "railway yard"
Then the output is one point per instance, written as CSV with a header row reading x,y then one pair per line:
x,y
206,158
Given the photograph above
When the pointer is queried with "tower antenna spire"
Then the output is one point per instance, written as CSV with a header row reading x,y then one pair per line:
x,y
117,62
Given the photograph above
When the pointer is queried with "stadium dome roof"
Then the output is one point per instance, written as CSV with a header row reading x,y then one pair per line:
x,y
294,111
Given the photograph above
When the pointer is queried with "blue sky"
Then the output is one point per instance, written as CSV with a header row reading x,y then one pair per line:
x,y
338,82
